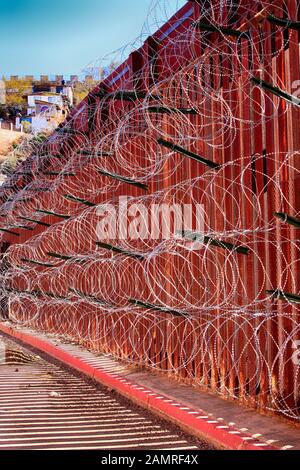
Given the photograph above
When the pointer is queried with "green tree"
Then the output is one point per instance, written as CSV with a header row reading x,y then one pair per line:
x,y
82,89
93,75
17,90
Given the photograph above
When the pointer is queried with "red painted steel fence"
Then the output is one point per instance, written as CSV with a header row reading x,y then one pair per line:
x,y
160,222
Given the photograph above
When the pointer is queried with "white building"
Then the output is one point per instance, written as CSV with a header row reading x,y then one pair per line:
x,y
2,92
43,102
47,109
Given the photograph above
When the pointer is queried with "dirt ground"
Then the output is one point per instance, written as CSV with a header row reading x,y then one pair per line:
x,y
7,138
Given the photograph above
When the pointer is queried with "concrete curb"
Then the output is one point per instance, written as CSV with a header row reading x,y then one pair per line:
x,y
196,422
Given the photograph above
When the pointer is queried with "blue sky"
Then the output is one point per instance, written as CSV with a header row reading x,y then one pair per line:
x,y
63,36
